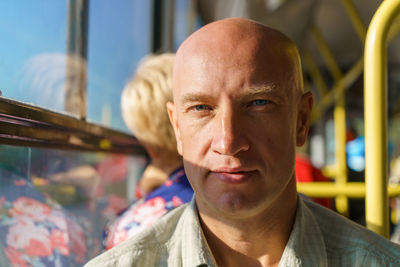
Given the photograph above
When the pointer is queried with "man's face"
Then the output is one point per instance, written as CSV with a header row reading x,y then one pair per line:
x,y
237,122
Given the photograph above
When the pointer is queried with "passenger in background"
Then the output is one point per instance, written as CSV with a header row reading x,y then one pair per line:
x,y
144,111
163,185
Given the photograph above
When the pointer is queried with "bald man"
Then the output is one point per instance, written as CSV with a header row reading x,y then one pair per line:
x,y
239,112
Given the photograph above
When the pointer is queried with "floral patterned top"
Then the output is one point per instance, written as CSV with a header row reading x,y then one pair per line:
x,y
143,212
33,230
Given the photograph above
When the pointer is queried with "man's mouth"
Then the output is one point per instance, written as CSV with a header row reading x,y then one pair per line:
x,y
233,175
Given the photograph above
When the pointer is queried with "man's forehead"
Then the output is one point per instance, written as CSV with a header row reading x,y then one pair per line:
x,y
267,54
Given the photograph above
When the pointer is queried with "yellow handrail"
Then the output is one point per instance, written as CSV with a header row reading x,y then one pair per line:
x,y
330,189
348,79
355,19
339,116
375,114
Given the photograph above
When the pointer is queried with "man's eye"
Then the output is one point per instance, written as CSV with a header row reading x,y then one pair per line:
x,y
201,107
259,102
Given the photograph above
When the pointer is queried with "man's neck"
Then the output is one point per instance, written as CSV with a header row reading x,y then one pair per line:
x,y
256,242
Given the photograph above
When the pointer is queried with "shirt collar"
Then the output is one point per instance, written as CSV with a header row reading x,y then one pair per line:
x,y
195,250
305,246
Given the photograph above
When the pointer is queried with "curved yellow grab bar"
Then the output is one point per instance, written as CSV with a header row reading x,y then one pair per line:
x,y
375,114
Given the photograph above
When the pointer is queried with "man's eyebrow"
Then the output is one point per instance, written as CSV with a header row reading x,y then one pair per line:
x,y
194,97
201,97
264,88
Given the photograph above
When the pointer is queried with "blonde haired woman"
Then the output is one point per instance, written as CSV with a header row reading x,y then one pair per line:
x,y
163,185
144,111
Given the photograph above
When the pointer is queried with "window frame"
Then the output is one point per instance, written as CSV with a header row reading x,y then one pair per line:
x,y
22,124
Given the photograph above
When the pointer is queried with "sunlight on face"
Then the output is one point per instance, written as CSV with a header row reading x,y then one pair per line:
x,y
236,117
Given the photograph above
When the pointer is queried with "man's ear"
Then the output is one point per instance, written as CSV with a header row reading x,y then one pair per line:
x,y
303,118
173,119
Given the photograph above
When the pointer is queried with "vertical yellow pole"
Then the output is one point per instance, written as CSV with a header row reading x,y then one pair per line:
x,y
339,117
375,115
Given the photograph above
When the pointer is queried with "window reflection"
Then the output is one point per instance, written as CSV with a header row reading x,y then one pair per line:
x,y
63,198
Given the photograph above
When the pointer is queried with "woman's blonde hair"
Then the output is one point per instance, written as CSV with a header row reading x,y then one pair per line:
x,y
144,101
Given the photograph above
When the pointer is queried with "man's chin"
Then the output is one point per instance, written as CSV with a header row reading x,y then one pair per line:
x,y
234,205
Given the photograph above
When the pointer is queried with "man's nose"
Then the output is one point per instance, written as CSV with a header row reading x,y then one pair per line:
x,y
228,138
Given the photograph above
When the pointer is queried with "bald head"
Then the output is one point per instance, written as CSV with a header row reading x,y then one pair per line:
x,y
238,43
238,108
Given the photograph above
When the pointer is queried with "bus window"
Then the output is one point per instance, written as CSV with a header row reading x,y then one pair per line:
x,y
33,55
55,204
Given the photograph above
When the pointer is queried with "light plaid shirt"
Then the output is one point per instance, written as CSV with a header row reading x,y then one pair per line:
x,y
319,237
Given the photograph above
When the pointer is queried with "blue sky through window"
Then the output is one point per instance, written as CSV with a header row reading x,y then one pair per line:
x,y
32,55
